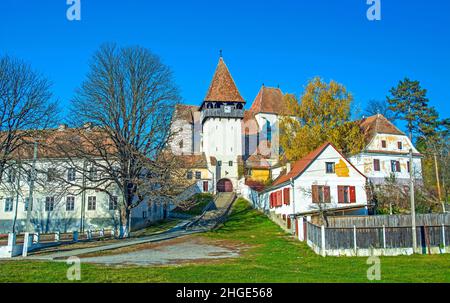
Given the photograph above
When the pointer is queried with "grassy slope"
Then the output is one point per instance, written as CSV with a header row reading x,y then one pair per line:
x,y
201,201
272,257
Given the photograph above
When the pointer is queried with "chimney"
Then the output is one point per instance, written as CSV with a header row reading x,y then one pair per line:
x,y
288,167
62,127
88,125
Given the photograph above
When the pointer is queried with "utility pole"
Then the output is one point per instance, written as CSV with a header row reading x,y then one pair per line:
x,y
438,182
413,206
29,228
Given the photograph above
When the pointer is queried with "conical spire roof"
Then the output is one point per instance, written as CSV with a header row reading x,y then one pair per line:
x,y
222,86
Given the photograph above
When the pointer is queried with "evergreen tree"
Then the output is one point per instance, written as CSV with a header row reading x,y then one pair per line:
x,y
410,103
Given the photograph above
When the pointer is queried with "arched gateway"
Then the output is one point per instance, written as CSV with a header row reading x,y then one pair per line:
x,y
224,185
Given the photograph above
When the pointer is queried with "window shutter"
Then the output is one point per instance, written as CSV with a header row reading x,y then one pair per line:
x,y
352,194
287,196
280,198
288,222
340,194
397,166
326,192
315,194
376,165
271,200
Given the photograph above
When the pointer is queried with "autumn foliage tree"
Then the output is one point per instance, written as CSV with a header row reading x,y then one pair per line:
x,y
322,115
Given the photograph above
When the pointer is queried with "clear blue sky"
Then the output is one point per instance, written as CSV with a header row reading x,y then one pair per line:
x,y
272,42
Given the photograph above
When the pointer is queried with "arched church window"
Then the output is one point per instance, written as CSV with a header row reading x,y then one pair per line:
x,y
216,105
209,105
239,106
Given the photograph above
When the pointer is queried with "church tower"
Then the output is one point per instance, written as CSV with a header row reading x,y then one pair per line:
x,y
222,112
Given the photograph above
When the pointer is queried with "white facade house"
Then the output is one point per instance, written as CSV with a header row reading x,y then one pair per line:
x,y
387,153
323,181
58,206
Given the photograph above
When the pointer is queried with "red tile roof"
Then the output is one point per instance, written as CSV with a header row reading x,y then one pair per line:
x,y
192,161
301,165
185,112
269,100
378,124
222,86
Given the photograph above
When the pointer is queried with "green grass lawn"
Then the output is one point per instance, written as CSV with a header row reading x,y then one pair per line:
x,y
271,256
199,201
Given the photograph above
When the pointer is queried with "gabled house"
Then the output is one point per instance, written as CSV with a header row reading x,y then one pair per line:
x,y
386,152
324,181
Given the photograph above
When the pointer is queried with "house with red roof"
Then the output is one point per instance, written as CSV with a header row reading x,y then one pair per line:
x,y
323,182
387,153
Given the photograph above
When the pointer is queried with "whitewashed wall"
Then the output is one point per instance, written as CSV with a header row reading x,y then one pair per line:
x,y
364,161
316,175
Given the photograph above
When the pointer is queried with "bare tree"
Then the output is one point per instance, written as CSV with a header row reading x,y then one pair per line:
x,y
25,105
121,117
380,107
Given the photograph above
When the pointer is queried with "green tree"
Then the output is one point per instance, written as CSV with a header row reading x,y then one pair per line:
x,y
323,115
410,103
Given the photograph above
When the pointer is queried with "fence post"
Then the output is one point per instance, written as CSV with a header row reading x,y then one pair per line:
x,y
322,232
11,239
354,240
27,242
102,232
443,238
384,237
57,236
75,236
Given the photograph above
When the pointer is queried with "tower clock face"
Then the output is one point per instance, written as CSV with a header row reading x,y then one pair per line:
x,y
227,109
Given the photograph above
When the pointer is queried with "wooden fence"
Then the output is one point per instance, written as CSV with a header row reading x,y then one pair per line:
x,y
389,220
365,241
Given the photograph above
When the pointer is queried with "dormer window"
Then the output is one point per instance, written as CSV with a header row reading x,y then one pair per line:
x,y
383,143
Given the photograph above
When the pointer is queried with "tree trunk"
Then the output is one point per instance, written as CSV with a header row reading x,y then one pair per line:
x,y
125,223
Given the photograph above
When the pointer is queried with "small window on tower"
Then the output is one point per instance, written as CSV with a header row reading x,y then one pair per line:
x,y
230,163
383,143
400,145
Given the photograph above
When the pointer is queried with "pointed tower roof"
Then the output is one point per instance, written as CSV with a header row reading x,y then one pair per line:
x,y
222,86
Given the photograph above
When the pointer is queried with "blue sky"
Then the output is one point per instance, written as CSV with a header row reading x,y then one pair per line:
x,y
279,42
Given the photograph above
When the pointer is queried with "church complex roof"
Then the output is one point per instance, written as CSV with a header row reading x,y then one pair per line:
x,y
269,100
222,86
378,124
185,112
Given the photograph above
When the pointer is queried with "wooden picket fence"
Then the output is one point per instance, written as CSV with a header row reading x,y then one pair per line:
x,y
382,240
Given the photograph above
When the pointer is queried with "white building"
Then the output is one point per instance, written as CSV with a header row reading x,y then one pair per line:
x,y
55,205
386,152
322,181
213,130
